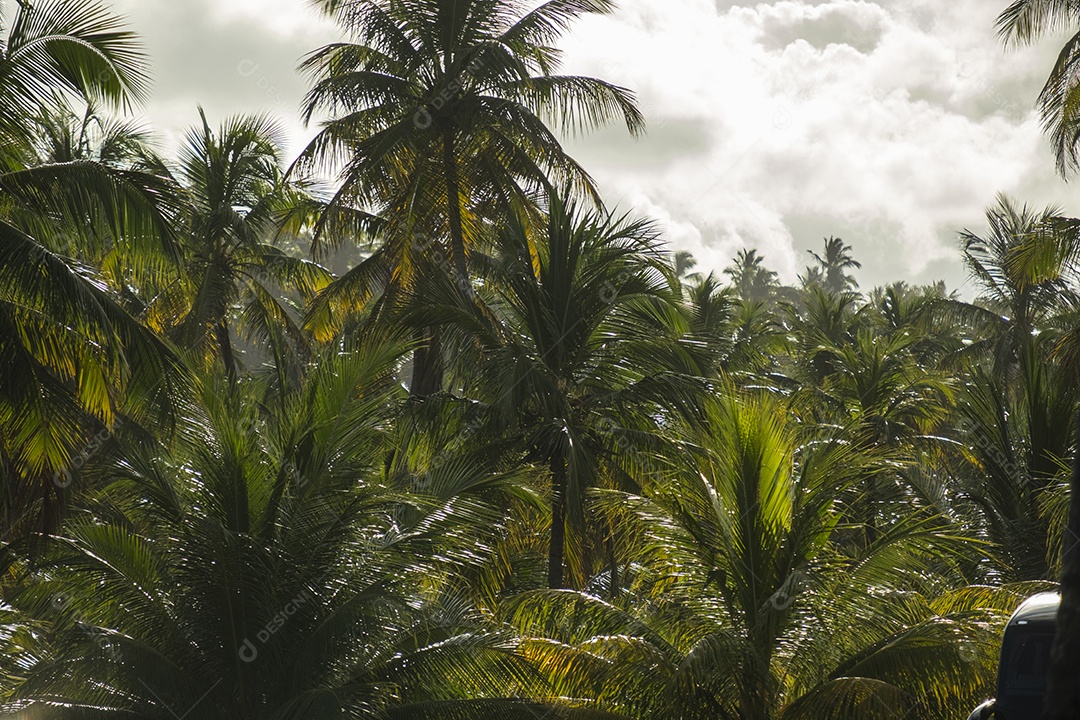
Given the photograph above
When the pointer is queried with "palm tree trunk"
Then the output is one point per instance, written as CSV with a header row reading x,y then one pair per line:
x,y
558,522
453,208
1062,690
427,376
227,356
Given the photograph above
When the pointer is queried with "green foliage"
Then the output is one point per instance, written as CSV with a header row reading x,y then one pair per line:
x,y
224,496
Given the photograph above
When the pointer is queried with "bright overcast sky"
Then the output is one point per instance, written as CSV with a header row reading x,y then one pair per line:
x,y
891,124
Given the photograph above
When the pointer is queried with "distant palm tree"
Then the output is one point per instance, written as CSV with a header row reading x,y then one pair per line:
x,y
439,112
237,201
684,262
821,321
751,279
710,308
832,267
812,277
743,336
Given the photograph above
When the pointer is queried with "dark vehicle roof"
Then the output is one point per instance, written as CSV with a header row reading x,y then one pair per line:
x,y
1037,608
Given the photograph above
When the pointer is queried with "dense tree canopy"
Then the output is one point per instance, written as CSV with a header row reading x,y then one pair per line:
x,y
516,457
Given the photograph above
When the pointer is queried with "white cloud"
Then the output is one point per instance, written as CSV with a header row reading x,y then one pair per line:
x,y
891,123
902,120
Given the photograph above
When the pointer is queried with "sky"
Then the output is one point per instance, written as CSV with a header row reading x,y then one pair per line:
x,y
891,124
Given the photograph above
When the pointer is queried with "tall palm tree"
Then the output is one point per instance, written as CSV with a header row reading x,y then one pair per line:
x,y
1021,267
751,279
833,266
684,263
72,358
238,201
440,110
576,341
1024,22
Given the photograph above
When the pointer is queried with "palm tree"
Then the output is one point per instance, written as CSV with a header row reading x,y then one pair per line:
x,y
745,607
72,358
743,336
1018,411
1012,446
751,279
812,278
1024,22
821,321
439,112
237,202
576,341
832,266
261,567
711,310
56,50
1022,270
684,262
65,137
899,309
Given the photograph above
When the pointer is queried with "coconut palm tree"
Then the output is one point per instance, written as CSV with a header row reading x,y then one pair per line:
x,y
65,137
1024,22
832,267
684,263
575,340
1021,267
751,279
747,609
1017,410
261,567
899,309
439,112
238,201
72,358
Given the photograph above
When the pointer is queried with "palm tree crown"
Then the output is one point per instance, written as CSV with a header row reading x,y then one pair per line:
x,y
439,106
832,266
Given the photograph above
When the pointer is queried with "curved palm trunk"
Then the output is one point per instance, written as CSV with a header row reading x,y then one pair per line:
x,y
558,522
1062,691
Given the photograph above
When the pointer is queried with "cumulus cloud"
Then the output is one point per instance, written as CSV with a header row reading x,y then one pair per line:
x,y
231,56
891,124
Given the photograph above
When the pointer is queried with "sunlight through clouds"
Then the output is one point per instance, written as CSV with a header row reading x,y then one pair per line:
x,y
892,124
884,121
